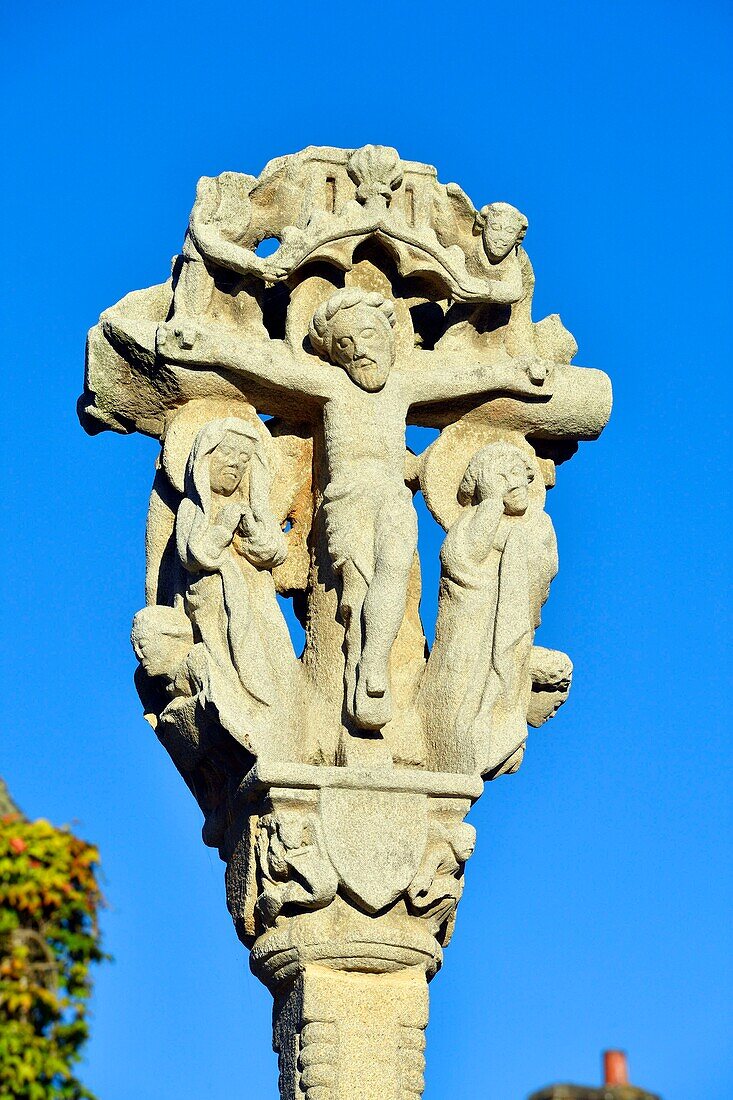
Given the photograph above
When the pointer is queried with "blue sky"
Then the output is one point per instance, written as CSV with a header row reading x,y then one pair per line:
x,y
597,908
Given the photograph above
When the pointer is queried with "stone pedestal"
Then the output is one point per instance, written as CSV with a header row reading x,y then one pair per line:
x,y
344,882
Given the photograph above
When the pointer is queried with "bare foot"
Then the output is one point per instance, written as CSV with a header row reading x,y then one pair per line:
x,y
371,712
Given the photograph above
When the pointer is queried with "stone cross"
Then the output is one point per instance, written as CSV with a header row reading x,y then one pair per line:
x,y
335,782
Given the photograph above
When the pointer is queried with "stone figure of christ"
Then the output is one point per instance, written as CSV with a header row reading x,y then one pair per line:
x,y
364,398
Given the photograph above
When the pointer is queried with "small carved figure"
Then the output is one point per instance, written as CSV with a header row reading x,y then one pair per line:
x,y
502,323
294,867
371,524
502,228
224,641
436,889
552,674
226,537
498,560
219,221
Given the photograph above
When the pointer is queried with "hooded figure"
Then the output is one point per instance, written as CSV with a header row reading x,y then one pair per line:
x,y
498,560
228,541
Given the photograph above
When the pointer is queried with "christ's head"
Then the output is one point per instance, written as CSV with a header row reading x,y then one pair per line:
x,y
355,330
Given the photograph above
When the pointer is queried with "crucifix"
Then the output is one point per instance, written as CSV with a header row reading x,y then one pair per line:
x,y
335,782
363,396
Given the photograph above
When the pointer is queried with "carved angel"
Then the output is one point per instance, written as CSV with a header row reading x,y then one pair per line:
x,y
218,225
501,228
503,322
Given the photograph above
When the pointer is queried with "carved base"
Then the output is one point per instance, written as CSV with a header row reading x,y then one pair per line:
x,y
389,843
344,882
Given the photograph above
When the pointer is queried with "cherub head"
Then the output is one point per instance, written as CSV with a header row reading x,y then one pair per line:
x,y
502,228
355,329
500,471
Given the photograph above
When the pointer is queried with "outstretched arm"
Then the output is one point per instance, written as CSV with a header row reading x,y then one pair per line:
x,y
504,287
212,244
221,215
213,346
523,376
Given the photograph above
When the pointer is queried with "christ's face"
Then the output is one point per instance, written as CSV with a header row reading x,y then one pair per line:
x,y
516,491
228,463
362,342
500,234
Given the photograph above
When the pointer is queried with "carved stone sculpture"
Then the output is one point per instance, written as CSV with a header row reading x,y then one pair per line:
x,y
498,560
335,782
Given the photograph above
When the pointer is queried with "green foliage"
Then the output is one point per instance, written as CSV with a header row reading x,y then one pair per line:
x,y
49,900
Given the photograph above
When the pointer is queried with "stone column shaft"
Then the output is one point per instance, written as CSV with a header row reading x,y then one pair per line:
x,y
350,1035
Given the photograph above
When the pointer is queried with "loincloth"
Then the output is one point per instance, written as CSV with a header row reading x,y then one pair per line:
x,y
363,511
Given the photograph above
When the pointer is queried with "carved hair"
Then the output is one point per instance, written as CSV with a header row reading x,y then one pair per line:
x,y
348,298
482,216
496,456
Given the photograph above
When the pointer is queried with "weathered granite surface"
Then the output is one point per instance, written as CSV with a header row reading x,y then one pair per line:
x,y
335,782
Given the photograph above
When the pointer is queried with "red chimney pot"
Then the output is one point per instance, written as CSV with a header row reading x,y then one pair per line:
x,y
615,1069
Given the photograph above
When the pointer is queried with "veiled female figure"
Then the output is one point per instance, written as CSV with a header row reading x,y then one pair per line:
x,y
497,560
228,542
